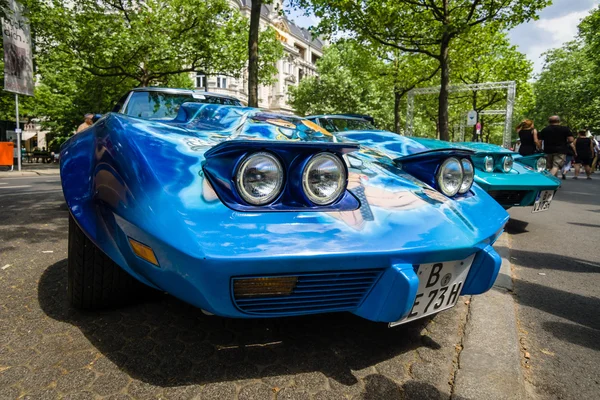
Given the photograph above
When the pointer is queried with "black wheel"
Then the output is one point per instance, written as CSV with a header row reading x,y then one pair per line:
x,y
95,281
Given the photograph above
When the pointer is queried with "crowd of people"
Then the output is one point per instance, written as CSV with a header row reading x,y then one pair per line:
x,y
562,148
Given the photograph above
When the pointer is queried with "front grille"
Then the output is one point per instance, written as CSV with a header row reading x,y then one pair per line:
x,y
314,292
508,197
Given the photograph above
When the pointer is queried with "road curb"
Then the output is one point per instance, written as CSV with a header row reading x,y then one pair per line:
x,y
490,361
24,174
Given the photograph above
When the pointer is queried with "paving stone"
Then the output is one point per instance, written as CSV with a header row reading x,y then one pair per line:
x,y
110,383
75,380
41,379
218,391
256,391
310,381
9,393
80,396
181,392
12,375
142,390
378,387
78,360
289,393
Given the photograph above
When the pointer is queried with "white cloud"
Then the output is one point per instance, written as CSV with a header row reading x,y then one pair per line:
x,y
557,25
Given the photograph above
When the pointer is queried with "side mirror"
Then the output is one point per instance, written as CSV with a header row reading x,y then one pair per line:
x,y
96,117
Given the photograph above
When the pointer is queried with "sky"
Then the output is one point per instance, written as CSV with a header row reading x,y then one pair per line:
x,y
557,24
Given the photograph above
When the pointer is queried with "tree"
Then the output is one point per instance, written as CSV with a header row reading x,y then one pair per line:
x,y
355,78
486,55
147,41
426,27
568,87
253,52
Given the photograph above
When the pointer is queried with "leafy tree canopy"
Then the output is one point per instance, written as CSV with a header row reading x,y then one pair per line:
x,y
420,26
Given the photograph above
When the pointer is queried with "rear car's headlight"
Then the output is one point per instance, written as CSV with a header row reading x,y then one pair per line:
x,y
450,176
540,164
468,175
507,163
488,164
259,178
324,179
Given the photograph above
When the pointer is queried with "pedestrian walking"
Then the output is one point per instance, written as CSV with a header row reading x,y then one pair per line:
x,y
556,140
86,123
584,154
568,162
528,136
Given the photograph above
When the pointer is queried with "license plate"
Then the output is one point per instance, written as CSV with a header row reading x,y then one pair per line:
x,y
439,288
542,201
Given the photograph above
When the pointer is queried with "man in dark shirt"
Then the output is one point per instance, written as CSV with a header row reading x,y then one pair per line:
x,y
556,140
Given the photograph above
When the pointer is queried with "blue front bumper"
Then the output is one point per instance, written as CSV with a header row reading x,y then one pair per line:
x,y
378,287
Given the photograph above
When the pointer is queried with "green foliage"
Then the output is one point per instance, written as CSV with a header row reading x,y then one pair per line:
x,y
89,53
424,27
568,87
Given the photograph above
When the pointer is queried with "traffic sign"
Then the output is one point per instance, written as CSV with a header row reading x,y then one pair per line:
x,y
471,118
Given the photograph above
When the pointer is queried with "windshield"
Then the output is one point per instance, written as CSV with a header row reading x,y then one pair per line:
x,y
161,105
346,124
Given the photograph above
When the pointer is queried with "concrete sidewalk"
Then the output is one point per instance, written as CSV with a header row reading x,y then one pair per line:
x,y
490,361
31,169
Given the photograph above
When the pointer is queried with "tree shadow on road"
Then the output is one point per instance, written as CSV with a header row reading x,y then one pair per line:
x,y
576,334
379,387
536,260
167,342
569,306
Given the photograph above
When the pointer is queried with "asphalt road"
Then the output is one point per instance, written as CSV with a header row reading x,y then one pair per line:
x,y
163,348
25,186
556,266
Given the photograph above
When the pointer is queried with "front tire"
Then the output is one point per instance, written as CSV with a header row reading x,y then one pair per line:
x,y
95,281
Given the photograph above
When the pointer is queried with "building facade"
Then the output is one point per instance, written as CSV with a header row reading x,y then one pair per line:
x,y
302,51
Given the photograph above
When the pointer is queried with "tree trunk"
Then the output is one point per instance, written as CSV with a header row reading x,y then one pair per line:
x,y
444,87
397,98
475,126
253,53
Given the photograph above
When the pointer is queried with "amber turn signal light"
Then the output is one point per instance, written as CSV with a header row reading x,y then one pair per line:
x,y
254,287
144,252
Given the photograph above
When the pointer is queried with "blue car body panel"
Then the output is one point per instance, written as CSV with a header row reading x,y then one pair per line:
x,y
519,187
126,177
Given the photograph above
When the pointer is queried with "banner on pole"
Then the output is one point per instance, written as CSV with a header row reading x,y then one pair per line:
x,y
18,63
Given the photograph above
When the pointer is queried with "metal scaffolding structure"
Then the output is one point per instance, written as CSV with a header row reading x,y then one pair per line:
x,y
509,86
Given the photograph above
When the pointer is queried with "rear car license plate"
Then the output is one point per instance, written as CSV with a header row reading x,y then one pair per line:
x,y
542,201
439,288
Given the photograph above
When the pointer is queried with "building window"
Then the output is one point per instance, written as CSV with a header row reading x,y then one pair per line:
x,y
314,58
200,81
221,82
302,51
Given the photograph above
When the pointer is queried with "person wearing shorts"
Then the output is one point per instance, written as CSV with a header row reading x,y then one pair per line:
x,y
556,140
584,154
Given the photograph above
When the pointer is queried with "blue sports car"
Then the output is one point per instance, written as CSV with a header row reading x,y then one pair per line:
x,y
248,214
512,180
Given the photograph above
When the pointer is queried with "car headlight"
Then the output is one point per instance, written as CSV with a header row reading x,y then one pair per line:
x,y
450,176
468,175
324,179
488,164
507,163
259,178
540,165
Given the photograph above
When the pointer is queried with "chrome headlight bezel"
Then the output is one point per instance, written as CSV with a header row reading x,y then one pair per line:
x,y
342,181
488,164
468,175
506,164
540,164
240,177
441,174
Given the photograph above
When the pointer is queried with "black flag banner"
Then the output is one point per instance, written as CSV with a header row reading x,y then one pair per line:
x,y
18,65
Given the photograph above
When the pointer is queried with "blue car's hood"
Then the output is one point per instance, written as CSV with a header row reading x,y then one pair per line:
x,y
150,176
